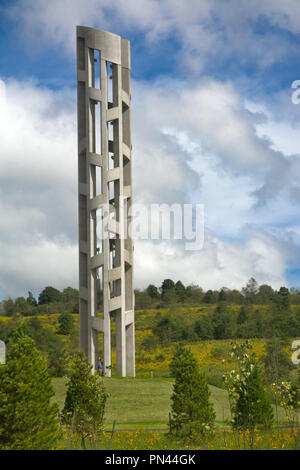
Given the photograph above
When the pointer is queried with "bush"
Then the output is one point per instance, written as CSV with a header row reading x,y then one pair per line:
x,y
66,324
149,342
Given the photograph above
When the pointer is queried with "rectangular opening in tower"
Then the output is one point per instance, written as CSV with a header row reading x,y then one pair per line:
x,y
97,69
111,193
99,231
98,130
96,127
110,88
98,185
111,154
100,292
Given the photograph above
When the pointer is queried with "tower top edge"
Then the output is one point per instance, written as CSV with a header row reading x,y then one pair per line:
x,y
113,47
87,29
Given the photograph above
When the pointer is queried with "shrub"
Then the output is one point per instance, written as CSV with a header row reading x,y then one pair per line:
x,y
66,324
149,342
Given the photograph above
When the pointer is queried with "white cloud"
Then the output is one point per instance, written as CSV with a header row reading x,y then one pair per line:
x,y
37,187
208,32
186,148
31,267
219,264
213,117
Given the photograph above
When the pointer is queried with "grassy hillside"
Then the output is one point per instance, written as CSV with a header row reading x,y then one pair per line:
x,y
145,403
212,354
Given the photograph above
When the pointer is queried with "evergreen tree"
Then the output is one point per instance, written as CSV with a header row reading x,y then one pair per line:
x,y
85,399
28,421
222,296
180,291
284,297
167,285
192,413
223,322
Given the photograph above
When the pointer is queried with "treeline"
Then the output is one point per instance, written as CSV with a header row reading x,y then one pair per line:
x,y
169,294
50,300
175,293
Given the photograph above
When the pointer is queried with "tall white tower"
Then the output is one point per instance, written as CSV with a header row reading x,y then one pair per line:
x,y
105,197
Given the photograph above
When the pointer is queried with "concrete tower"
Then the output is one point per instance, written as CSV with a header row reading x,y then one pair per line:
x,y
104,187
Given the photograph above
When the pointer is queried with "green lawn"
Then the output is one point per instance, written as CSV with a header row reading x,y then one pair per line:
x,y
132,401
145,403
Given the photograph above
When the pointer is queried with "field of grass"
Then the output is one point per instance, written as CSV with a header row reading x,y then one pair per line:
x,y
141,409
138,403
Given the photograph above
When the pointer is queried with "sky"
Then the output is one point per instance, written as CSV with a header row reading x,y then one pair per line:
x,y
214,122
